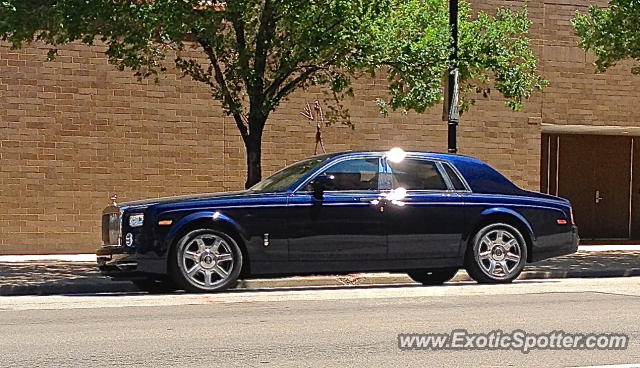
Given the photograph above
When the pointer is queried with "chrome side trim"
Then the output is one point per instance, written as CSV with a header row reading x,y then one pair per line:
x,y
407,202
508,196
512,205
356,203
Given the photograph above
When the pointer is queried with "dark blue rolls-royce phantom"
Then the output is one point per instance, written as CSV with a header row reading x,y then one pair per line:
x,y
425,214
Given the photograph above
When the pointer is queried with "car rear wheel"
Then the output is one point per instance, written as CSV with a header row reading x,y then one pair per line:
x,y
498,254
433,277
206,260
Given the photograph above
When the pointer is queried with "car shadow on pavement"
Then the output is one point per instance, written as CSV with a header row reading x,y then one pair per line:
x,y
300,289
65,278
590,264
34,273
319,289
50,277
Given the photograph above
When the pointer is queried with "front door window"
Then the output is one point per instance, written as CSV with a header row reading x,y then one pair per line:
x,y
355,174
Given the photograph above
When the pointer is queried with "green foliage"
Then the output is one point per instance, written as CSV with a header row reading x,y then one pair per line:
x,y
612,33
413,43
497,50
265,49
259,51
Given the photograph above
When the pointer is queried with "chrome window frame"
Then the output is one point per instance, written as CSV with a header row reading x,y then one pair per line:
x,y
385,169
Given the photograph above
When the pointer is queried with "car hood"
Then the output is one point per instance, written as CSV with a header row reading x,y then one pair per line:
x,y
183,198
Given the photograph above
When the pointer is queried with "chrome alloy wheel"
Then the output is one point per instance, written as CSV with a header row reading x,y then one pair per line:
x,y
206,260
499,253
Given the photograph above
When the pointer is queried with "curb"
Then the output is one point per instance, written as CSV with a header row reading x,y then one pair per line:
x,y
91,257
105,285
68,287
395,279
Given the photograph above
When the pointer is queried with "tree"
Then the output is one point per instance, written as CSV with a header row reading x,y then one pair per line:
x,y
259,51
612,33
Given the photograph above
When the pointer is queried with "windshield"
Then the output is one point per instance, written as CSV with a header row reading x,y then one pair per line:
x,y
284,178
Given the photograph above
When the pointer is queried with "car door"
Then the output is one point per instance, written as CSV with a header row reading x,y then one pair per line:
x,y
428,221
343,228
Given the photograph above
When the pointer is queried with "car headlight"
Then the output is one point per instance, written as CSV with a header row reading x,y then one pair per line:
x,y
136,220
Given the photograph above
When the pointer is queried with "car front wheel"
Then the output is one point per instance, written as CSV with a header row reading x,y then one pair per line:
x,y
498,254
206,260
433,277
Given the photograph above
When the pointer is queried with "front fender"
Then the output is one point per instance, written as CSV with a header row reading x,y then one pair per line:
x,y
204,218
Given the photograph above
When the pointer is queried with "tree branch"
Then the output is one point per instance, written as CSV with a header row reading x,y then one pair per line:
x,y
242,48
287,69
289,87
277,81
234,107
285,74
263,40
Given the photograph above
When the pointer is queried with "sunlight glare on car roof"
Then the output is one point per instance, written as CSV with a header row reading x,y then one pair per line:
x,y
396,154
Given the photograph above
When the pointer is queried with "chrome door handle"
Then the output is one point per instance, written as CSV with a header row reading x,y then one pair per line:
x,y
598,198
397,203
378,202
374,202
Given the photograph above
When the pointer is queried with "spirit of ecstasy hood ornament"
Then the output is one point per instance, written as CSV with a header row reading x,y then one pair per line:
x,y
113,200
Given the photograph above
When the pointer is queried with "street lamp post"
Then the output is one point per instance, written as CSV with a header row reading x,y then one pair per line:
x,y
453,114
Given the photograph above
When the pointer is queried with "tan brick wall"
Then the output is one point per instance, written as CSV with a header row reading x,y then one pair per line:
x,y
76,130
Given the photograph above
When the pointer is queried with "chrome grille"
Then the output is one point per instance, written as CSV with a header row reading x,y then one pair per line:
x,y
111,228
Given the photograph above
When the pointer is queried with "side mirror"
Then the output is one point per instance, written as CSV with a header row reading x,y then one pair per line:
x,y
320,184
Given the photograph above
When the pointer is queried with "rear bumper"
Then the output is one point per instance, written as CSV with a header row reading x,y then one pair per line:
x,y
556,245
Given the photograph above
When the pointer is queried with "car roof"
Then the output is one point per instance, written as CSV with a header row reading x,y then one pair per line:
x,y
481,177
436,155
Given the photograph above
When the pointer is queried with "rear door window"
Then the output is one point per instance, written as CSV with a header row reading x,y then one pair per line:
x,y
415,174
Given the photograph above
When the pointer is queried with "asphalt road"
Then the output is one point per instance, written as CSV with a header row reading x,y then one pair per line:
x,y
320,327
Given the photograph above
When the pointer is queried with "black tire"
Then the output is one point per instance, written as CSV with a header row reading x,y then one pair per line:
x,y
433,277
154,286
484,251
210,266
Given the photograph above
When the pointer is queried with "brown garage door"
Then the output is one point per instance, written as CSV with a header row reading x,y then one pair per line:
x,y
594,172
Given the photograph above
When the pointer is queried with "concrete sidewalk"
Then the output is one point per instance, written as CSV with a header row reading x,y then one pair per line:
x,y
68,274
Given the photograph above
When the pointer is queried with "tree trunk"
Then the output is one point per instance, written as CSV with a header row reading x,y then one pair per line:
x,y
253,140
253,145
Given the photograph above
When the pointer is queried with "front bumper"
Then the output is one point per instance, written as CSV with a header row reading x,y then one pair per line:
x,y
114,262
126,263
